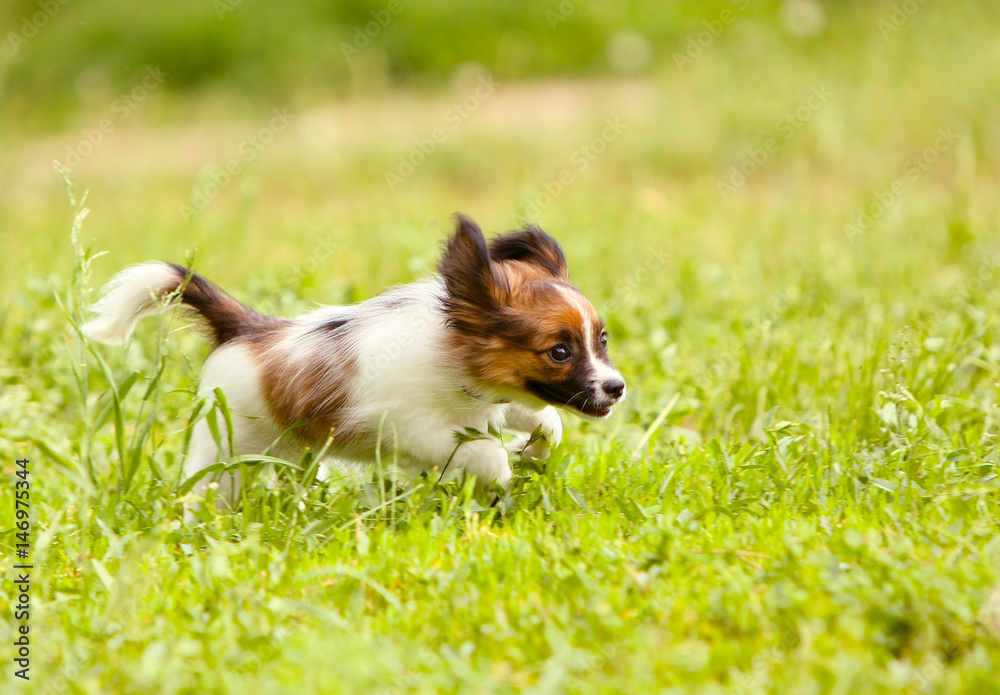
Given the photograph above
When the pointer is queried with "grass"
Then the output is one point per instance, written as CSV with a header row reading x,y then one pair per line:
x,y
801,494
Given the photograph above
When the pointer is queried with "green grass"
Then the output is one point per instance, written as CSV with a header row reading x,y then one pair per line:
x,y
817,513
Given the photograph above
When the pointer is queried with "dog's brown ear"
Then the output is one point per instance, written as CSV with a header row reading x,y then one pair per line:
x,y
531,245
468,273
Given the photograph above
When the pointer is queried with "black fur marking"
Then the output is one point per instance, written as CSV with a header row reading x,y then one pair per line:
x,y
531,245
473,284
227,317
575,391
465,265
329,326
600,349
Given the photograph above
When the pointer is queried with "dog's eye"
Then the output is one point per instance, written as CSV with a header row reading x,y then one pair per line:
x,y
560,353
604,337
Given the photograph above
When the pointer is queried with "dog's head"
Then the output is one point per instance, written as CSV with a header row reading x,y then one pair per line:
x,y
518,325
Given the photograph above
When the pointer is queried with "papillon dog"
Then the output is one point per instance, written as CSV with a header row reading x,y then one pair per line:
x,y
497,340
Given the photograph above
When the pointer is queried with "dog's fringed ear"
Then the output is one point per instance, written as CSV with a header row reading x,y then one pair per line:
x,y
468,273
531,245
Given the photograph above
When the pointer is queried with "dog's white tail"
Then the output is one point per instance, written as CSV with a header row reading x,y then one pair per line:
x,y
128,297
130,294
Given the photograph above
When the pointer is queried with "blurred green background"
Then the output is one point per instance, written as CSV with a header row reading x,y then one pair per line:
x,y
295,49
700,84
62,55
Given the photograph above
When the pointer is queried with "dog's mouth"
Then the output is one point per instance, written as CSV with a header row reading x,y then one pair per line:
x,y
596,411
586,403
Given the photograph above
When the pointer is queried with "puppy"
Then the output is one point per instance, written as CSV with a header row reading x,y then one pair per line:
x,y
494,341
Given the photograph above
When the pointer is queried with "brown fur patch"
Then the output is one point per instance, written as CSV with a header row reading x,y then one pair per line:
x,y
537,315
312,388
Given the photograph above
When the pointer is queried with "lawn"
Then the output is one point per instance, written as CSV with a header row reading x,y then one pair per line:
x,y
797,253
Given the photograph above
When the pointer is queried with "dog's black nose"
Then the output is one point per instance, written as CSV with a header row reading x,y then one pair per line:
x,y
614,387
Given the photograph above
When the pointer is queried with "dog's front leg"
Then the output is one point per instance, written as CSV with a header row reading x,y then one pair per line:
x,y
485,458
527,421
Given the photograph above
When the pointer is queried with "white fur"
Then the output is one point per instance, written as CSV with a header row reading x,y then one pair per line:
x,y
409,390
603,372
232,369
127,298
526,421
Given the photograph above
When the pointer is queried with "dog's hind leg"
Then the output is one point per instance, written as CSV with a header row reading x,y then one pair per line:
x,y
232,370
202,454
